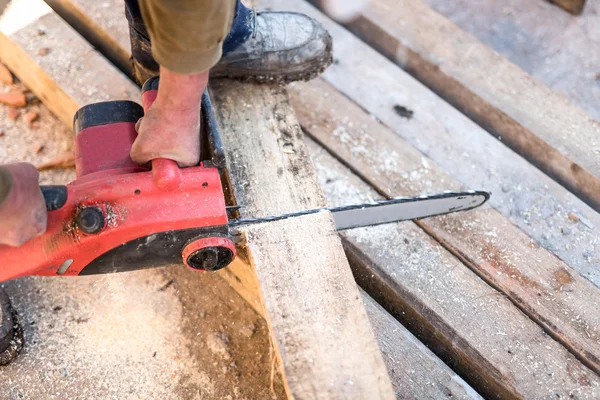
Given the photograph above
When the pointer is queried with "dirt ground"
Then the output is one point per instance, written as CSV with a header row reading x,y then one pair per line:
x,y
157,334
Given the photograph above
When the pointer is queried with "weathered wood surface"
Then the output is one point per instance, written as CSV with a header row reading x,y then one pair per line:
x,y
305,281
537,204
416,372
65,76
472,327
544,287
572,6
538,123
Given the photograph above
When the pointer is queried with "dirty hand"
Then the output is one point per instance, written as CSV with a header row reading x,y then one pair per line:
x,y
23,213
171,126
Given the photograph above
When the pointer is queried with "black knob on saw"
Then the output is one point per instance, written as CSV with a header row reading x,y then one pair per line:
x,y
90,220
54,196
210,258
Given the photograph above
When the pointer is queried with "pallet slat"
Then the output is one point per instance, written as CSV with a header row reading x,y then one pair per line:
x,y
415,371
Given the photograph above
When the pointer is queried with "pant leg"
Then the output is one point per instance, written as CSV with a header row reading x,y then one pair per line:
x,y
186,36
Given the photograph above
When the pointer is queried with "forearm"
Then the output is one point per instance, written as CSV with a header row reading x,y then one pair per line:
x,y
187,35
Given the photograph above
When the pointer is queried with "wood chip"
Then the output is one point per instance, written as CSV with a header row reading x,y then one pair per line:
x,y
62,162
5,75
13,98
38,148
13,113
573,217
30,117
43,51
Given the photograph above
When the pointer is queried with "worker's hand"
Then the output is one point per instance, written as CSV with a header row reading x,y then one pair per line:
x,y
23,213
171,126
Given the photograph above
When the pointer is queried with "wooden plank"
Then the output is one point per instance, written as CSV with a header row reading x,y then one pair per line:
x,y
535,121
304,277
541,285
65,75
415,371
537,204
573,6
472,327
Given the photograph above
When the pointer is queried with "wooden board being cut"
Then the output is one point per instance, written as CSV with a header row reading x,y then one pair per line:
x,y
260,130
543,209
538,123
472,327
304,277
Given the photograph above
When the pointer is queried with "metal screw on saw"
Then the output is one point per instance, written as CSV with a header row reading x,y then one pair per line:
x,y
90,220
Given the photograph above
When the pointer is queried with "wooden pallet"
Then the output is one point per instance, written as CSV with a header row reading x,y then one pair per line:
x,y
501,295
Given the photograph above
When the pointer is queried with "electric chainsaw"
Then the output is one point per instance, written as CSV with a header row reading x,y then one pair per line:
x,y
119,216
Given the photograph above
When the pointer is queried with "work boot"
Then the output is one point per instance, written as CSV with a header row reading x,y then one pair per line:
x,y
261,46
282,47
11,332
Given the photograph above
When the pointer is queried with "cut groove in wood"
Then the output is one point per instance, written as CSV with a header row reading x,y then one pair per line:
x,y
538,123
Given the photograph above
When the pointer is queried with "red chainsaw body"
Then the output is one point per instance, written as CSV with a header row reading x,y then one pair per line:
x,y
136,204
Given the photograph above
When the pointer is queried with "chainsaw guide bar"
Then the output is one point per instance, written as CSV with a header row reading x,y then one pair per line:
x,y
386,211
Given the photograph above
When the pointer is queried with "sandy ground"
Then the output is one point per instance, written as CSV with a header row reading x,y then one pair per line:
x,y
156,334
552,45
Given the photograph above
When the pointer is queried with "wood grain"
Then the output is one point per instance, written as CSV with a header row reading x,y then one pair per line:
x,y
538,123
416,372
475,329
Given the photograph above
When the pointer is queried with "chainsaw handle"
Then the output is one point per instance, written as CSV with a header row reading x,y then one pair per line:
x,y
55,196
165,173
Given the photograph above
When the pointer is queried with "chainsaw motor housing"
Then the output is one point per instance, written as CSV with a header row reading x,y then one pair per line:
x,y
119,216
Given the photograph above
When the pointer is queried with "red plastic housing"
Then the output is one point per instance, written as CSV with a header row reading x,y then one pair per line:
x,y
136,203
